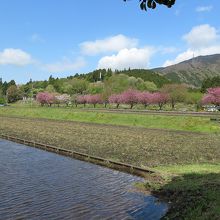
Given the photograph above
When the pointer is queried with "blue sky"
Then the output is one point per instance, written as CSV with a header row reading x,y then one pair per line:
x,y
44,37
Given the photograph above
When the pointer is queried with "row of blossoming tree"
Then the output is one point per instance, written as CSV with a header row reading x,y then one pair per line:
x,y
129,97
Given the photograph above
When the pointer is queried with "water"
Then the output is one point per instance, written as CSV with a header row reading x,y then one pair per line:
x,y
35,184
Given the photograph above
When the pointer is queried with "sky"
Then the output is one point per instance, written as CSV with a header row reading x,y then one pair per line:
x,y
39,38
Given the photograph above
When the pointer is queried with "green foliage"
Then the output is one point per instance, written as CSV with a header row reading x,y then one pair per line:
x,y
76,86
26,90
193,97
176,92
95,88
35,91
96,82
117,83
40,84
56,83
146,75
148,86
96,75
50,89
5,86
13,94
2,100
174,77
210,83
120,82
1,92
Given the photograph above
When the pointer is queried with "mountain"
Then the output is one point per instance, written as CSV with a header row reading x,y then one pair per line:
x,y
193,71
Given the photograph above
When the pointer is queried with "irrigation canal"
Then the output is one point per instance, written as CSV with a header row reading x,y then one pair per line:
x,y
36,184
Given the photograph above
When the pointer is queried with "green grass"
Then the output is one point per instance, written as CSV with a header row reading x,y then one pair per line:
x,y
181,123
191,168
193,191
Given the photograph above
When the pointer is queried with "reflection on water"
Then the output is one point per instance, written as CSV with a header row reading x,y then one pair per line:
x,y
35,184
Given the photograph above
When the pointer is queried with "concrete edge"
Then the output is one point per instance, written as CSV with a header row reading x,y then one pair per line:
x,y
135,170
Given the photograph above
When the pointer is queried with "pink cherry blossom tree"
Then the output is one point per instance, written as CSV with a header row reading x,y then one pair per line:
x,y
212,96
130,97
160,99
145,98
94,99
45,98
82,99
115,99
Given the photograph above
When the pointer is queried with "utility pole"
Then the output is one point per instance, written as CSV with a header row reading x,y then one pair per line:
x,y
193,61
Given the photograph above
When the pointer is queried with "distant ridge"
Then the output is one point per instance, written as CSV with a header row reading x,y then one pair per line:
x,y
192,71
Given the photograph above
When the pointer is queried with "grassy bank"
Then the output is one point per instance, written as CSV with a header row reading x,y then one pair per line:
x,y
188,162
192,191
182,123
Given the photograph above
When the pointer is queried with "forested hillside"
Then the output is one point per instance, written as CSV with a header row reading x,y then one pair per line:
x,y
193,71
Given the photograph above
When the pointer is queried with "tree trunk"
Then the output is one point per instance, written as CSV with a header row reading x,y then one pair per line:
x,y
172,104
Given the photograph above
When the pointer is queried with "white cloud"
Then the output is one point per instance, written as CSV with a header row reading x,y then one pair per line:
x,y
202,40
201,36
181,57
110,44
18,57
204,8
128,58
65,65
